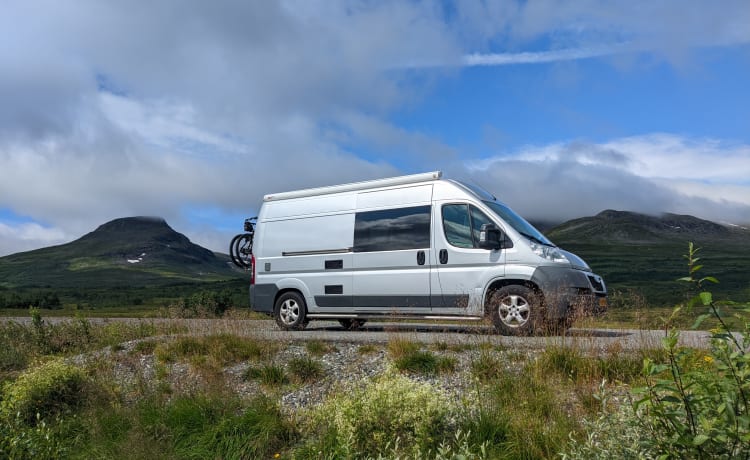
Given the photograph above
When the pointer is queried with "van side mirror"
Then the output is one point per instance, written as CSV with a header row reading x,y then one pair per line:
x,y
490,237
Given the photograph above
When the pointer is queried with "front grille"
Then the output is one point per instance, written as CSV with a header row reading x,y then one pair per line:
x,y
598,285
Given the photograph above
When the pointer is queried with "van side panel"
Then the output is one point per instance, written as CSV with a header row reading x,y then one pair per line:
x,y
289,237
308,206
314,252
404,196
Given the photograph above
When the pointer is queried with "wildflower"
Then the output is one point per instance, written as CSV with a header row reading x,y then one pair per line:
x,y
708,359
276,455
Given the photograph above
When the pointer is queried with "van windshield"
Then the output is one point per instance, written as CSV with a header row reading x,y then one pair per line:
x,y
518,223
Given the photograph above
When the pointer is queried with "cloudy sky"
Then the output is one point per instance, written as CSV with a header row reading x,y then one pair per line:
x,y
193,110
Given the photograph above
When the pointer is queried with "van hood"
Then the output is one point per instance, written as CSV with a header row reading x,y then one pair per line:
x,y
575,261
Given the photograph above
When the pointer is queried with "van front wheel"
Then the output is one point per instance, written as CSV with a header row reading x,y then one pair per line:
x,y
290,311
515,310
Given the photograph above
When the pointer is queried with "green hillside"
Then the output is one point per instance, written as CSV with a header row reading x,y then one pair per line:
x,y
130,260
644,253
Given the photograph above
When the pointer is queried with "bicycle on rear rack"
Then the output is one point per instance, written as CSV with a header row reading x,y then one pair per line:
x,y
241,247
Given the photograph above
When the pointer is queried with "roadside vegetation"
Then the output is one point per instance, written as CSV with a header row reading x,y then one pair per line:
x,y
79,389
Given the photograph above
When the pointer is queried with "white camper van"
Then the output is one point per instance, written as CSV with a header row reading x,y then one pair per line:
x,y
417,246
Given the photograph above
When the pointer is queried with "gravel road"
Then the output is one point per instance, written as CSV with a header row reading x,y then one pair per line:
x,y
382,332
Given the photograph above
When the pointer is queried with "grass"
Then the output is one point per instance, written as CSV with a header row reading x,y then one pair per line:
x,y
487,367
223,348
398,347
319,347
425,362
574,363
367,349
269,375
305,369
519,404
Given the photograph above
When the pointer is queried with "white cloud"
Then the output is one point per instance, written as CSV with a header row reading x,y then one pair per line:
x,y
110,110
652,174
541,57
16,237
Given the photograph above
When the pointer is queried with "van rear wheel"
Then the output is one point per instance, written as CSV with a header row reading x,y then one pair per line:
x,y
290,311
516,310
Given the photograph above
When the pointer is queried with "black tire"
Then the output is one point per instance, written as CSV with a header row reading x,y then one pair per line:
x,y
352,324
290,311
241,250
234,258
516,310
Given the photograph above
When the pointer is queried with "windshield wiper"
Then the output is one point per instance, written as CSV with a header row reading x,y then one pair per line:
x,y
536,240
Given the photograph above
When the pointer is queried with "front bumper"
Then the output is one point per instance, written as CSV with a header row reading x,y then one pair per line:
x,y
568,291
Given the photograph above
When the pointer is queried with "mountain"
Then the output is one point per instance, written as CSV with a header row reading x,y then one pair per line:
x,y
128,252
642,253
631,227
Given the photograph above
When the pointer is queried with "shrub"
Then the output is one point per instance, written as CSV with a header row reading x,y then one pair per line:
x,y
203,304
698,411
362,422
48,390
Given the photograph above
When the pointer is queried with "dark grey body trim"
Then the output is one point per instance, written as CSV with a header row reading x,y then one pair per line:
x,y
262,297
434,301
334,301
374,301
392,301
450,301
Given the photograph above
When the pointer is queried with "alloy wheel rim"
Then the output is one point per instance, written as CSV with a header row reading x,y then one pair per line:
x,y
289,311
514,311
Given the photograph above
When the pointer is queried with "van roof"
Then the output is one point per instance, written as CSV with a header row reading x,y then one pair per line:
x,y
364,185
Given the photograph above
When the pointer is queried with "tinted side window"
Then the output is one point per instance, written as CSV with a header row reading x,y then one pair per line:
x,y
478,218
392,229
457,226
462,223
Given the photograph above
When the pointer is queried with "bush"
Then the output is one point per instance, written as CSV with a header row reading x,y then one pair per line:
x,y
698,411
361,423
692,406
203,304
49,390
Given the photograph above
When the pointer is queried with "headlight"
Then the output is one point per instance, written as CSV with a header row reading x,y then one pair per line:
x,y
549,253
